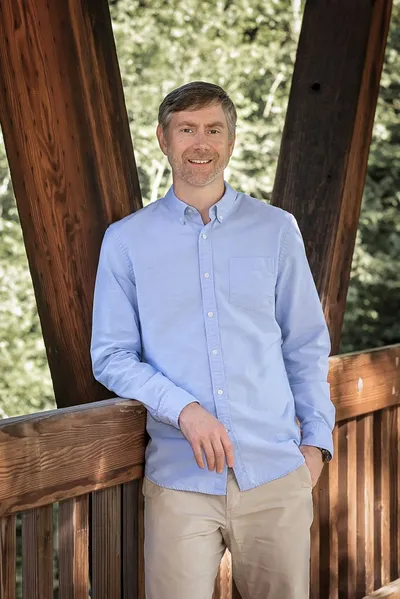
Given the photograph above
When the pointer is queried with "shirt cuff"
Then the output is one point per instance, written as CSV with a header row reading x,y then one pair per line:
x,y
318,434
172,405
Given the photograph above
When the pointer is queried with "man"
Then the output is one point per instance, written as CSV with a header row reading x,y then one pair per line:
x,y
205,311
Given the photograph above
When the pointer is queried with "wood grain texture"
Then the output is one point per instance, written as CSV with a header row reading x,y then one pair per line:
x,y
393,475
334,515
364,382
223,582
385,504
390,591
37,553
325,144
106,544
377,499
60,454
352,507
132,541
70,153
365,505
8,557
225,587
347,509
73,527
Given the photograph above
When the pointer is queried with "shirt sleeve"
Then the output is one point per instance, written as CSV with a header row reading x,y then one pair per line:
x,y
305,341
116,343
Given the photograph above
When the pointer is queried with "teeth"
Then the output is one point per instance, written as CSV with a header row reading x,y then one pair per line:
x,y
200,161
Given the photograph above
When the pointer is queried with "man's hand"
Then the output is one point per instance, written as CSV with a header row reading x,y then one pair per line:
x,y
314,461
206,433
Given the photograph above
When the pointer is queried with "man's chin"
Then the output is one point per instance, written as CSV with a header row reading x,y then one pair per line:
x,y
201,181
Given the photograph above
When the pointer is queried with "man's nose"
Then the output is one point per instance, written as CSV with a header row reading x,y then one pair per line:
x,y
201,139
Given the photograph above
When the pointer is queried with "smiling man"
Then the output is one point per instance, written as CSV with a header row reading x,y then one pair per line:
x,y
205,311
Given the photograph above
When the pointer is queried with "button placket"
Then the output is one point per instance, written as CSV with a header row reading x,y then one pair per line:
x,y
212,330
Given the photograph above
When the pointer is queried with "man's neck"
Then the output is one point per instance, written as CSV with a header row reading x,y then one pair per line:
x,y
201,198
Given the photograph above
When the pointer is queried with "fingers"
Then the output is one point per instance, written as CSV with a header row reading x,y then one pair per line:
x,y
198,454
208,437
209,453
219,455
217,451
228,449
214,452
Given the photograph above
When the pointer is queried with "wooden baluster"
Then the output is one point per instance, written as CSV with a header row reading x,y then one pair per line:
x,y
37,553
73,534
132,540
106,543
7,557
365,505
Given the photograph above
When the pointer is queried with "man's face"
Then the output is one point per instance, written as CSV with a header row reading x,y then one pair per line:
x,y
193,136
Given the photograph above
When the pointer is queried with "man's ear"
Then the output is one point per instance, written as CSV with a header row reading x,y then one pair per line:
x,y
161,139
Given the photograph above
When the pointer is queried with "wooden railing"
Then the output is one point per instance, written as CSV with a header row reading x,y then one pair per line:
x,y
359,540
90,459
63,456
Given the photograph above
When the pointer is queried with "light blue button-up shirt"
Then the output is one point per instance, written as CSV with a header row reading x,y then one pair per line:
x,y
225,314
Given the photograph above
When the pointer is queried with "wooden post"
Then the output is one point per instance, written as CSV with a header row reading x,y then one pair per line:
x,y
69,148
320,179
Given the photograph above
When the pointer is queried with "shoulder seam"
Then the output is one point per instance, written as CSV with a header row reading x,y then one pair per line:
x,y
124,251
284,243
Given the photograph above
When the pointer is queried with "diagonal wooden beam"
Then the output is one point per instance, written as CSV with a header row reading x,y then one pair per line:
x,y
69,148
320,179
325,144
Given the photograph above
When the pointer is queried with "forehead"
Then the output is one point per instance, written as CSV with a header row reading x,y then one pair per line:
x,y
207,115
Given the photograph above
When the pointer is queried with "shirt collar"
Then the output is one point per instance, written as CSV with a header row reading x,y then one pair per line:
x,y
218,210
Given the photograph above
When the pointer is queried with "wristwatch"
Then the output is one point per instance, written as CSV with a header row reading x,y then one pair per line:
x,y
326,455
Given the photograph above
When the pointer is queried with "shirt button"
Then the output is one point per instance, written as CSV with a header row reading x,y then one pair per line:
x,y
207,275
204,236
210,314
220,392
221,218
214,352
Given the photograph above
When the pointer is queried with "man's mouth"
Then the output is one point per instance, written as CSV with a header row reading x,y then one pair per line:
x,y
199,161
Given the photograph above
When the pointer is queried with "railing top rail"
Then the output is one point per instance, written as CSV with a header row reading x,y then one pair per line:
x,y
63,453
364,382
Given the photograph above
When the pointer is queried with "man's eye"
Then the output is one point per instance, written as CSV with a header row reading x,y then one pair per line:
x,y
186,130
214,131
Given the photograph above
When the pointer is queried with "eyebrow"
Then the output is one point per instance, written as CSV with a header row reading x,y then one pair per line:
x,y
189,124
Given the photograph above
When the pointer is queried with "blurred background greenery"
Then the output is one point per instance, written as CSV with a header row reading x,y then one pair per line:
x,y
248,47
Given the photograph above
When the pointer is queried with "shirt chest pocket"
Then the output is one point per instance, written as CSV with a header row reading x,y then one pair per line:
x,y
252,282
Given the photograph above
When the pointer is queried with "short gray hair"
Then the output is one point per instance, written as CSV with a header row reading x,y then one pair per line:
x,y
196,95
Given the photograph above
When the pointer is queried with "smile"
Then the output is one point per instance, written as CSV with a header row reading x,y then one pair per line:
x,y
199,161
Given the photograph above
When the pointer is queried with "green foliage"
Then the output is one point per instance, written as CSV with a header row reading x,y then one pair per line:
x,y
248,47
25,384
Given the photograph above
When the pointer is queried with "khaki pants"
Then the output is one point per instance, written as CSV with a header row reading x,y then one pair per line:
x,y
267,530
